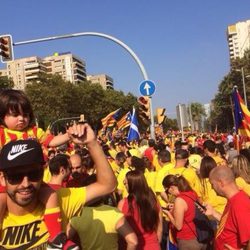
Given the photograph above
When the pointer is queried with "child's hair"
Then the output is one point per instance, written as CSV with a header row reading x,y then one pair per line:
x,y
17,102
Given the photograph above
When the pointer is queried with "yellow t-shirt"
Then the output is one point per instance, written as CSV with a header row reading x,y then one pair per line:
x,y
71,202
208,195
172,157
96,227
114,167
46,175
112,153
156,163
243,185
120,178
24,232
150,178
190,175
219,160
164,171
29,231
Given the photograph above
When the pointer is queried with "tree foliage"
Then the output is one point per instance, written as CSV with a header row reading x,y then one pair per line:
x,y
197,112
169,124
53,98
221,117
6,83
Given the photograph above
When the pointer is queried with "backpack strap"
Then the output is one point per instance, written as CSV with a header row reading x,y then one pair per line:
x,y
195,234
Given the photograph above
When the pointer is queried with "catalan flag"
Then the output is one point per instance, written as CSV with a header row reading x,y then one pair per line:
x,y
111,118
125,121
241,115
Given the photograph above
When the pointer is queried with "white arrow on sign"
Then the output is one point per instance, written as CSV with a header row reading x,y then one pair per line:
x,y
147,87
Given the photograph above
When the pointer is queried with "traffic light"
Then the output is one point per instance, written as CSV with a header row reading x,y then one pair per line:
x,y
144,109
6,48
160,115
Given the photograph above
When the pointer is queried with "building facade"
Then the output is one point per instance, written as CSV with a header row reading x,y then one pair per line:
x,y
104,80
238,36
70,67
25,70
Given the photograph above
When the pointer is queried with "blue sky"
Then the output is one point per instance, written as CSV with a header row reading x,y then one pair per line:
x,y
182,44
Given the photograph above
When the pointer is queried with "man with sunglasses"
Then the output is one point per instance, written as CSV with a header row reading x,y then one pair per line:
x,y
21,172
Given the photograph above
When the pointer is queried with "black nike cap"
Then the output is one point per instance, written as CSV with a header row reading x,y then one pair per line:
x,y
21,153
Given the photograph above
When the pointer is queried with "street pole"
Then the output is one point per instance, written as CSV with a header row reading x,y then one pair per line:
x,y
181,122
244,85
152,125
191,118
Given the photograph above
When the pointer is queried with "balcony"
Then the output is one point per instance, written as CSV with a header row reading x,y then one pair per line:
x,y
31,77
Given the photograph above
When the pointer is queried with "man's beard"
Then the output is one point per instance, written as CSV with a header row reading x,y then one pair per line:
x,y
23,201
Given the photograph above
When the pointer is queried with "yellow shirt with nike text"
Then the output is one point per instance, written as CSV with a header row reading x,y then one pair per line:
x,y
24,232
29,231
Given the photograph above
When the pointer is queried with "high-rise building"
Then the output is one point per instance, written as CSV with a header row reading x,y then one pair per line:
x,y
104,80
70,67
24,70
238,36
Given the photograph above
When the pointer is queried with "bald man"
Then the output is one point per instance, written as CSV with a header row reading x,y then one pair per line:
x,y
78,174
234,224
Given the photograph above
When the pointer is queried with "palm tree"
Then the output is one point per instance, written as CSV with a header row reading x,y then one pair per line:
x,y
197,111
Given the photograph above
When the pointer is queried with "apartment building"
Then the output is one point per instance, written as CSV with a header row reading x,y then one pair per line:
x,y
104,80
70,67
238,36
25,70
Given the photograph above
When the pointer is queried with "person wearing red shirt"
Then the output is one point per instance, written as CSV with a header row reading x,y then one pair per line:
x,y
182,213
142,211
234,224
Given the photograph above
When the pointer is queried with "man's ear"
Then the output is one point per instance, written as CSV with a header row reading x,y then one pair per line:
x,y
2,180
221,182
62,170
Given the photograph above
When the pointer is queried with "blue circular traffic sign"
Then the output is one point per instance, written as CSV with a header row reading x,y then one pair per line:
x,y
147,88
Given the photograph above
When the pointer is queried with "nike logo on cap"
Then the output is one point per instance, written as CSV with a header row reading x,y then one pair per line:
x,y
18,150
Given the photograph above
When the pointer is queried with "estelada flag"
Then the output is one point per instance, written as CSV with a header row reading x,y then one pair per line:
x,y
110,118
241,115
124,121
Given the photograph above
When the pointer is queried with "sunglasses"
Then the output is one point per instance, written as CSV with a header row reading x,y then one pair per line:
x,y
34,175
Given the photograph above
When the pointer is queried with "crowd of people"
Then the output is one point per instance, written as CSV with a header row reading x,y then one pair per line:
x,y
78,190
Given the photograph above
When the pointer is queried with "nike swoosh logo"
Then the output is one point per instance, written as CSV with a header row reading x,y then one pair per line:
x,y
13,156
55,246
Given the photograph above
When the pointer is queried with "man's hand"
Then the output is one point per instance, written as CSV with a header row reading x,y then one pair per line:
x,y
209,210
81,134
